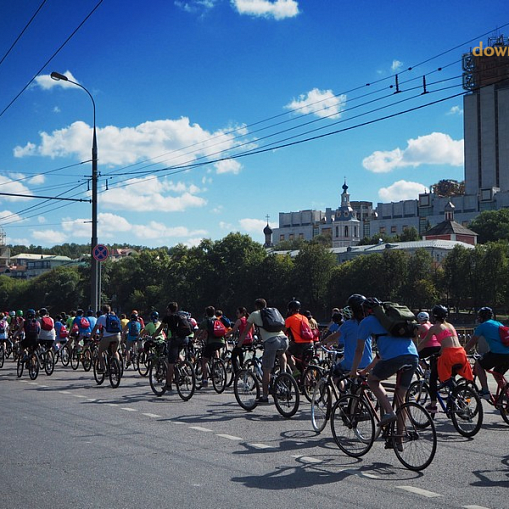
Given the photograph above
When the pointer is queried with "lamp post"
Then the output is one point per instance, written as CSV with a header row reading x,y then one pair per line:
x,y
95,289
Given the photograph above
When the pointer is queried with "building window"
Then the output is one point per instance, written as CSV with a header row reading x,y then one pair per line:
x,y
337,231
383,229
291,236
394,229
355,232
301,236
281,238
346,231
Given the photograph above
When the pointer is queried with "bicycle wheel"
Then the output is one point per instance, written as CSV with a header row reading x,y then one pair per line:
x,y
218,375
185,380
246,389
229,370
142,363
20,366
49,363
33,366
75,358
352,425
310,378
98,374
86,359
2,355
415,446
115,373
503,403
285,392
157,377
65,355
320,405
466,410
418,392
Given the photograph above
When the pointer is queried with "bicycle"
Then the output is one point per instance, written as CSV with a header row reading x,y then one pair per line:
x,y
355,427
30,361
112,369
183,377
283,388
461,403
46,358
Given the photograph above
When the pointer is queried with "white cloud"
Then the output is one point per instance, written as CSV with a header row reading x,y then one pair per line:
x,y
277,9
218,209
47,83
434,148
51,236
155,230
254,225
401,190
10,217
7,185
228,166
128,145
19,241
193,242
225,226
396,65
37,179
455,110
195,5
322,103
41,219
152,195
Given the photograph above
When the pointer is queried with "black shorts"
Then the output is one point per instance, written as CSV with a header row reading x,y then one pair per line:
x,y
499,362
29,343
174,347
428,352
302,351
209,350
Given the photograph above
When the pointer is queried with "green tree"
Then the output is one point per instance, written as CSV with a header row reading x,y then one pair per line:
x,y
409,235
491,225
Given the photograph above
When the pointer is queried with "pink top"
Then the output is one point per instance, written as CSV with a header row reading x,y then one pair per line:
x,y
445,333
432,341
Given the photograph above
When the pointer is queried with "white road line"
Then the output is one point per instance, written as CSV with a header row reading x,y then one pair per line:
x,y
64,392
229,437
33,383
155,416
91,399
419,491
475,507
112,404
127,409
307,459
79,396
369,476
261,446
199,428
24,381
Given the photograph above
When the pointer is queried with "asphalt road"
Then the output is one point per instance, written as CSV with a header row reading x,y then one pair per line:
x,y
68,443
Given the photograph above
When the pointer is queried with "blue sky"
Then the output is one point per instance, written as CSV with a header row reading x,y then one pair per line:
x,y
203,108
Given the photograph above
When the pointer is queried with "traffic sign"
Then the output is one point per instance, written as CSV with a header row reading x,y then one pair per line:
x,y
100,252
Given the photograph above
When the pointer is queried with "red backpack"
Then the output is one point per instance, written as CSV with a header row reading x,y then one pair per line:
x,y
46,323
218,328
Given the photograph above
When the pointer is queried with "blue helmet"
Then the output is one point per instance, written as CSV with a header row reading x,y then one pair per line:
x,y
154,316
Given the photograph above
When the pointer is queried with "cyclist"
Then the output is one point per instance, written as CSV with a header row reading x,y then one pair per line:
x,y
83,326
274,343
300,347
497,358
451,354
47,333
109,325
431,346
212,343
239,326
349,335
132,335
179,328
4,330
31,330
393,354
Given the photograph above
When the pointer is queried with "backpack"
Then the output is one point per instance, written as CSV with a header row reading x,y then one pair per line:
x,y
32,328
217,328
113,325
184,327
84,323
272,320
396,319
63,333
46,323
503,332
134,328
305,331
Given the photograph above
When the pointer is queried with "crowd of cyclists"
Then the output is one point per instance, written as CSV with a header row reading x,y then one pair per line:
x,y
289,344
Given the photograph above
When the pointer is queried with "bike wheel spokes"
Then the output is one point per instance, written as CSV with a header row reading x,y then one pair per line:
x,y
33,366
143,365
353,425
320,405
115,372
246,389
185,380
86,359
503,403
218,374
310,378
286,395
49,364
2,355
98,374
418,392
466,410
414,445
65,355
157,377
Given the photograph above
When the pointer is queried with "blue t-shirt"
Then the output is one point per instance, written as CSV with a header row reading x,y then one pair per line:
x,y
349,335
82,330
489,330
389,347
93,321
334,328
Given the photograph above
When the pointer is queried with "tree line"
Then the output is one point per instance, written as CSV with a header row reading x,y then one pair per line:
x,y
235,270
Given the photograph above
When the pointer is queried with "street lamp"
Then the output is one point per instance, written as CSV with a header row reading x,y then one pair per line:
x,y
95,290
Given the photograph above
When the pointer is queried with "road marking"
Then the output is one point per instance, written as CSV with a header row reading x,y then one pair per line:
x,y
307,459
369,476
229,437
40,385
155,416
419,491
79,396
112,404
64,392
199,428
91,399
261,446
33,383
475,507
127,409
24,381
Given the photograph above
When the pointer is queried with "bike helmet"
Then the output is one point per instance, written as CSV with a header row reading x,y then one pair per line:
x,y
12,313
43,311
439,311
294,305
485,313
347,313
19,312
423,316
154,316
356,301
31,313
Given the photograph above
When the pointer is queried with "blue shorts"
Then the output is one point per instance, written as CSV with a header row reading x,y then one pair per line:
x,y
385,369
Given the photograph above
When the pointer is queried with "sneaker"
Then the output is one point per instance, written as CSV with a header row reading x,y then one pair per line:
x,y
387,419
485,395
204,384
169,388
262,400
432,409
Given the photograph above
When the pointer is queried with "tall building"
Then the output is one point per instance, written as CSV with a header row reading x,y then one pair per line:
x,y
486,142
